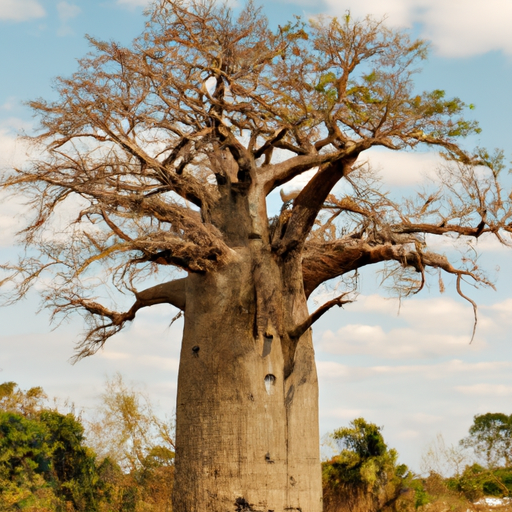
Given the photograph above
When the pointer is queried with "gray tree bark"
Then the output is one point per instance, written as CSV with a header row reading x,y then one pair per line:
x,y
247,416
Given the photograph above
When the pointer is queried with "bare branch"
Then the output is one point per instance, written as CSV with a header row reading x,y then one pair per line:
x,y
270,143
172,292
298,331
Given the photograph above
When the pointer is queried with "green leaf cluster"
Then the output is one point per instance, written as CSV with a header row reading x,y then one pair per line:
x,y
365,471
490,436
46,465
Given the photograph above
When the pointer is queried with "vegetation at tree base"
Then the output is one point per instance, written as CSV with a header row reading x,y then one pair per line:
x,y
127,431
491,438
365,475
46,465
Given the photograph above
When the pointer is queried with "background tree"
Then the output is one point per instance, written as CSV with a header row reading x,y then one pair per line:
x,y
457,470
162,155
365,475
444,460
25,458
44,464
28,403
47,463
127,430
127,434
490,436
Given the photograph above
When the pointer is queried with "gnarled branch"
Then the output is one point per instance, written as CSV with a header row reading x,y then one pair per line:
x,y
172,292
309,202
300,329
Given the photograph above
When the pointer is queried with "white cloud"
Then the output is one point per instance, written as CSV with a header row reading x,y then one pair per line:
x,y
396,343
395,168
13,153
461,28
504,307
13,150
488,242
141,355
10,220
453,316
403,169
421,328
164,363
345,413
134,3
292,189
113,356
9,104
20,10
457,28
422,418
409,434
333,371
485,389
67,11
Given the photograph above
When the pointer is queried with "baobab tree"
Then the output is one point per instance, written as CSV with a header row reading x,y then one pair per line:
x,y
166,152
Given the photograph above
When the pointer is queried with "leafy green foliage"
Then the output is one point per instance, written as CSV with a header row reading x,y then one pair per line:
x,y
25,460
45,465
490,436
365,474
477,481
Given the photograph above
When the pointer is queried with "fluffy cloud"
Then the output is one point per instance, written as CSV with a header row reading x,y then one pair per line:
x,y
457,28
395,168
67,11
333,371
13,153
396,343
426,328
134,3
147,352
10,220
20,10
403,169
486,389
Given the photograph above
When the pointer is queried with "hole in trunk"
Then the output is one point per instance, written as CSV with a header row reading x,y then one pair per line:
x,y
221,180
270,382
267,345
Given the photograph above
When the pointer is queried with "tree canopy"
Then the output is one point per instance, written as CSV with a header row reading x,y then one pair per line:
x,y
491,438
146,145
365,475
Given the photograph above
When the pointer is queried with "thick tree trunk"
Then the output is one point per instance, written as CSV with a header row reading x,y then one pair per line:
x,y
247,417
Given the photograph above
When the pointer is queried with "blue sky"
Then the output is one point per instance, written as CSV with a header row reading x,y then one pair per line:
x,y
414,372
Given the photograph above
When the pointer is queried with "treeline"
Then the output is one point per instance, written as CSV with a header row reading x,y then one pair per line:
x,y
47,464
365,476
123,460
